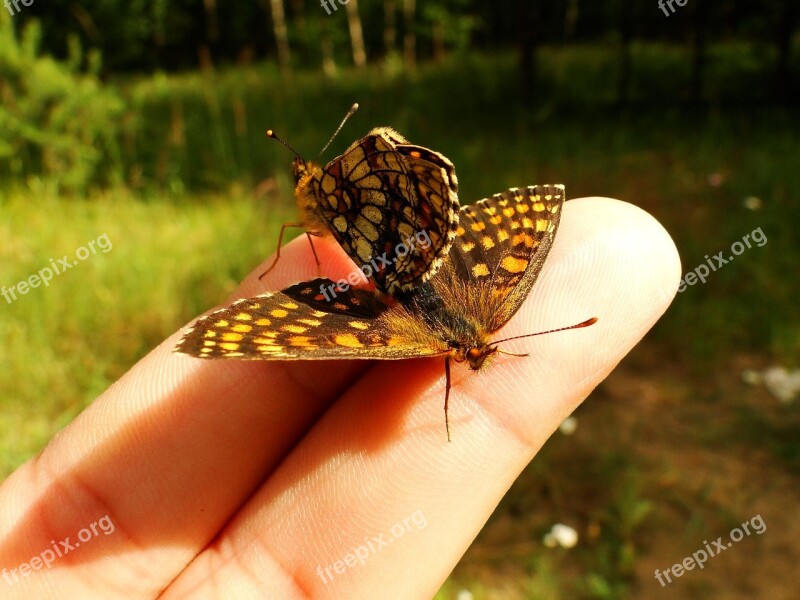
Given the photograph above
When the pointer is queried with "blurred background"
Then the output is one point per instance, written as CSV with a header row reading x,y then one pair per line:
x,y
138,126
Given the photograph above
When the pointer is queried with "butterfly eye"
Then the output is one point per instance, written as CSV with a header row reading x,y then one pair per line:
x,y
473,354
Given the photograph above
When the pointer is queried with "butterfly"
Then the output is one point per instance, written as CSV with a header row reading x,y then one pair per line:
x,y
501,245
391,205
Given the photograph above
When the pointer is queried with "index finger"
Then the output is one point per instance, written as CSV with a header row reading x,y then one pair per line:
x,y
167,455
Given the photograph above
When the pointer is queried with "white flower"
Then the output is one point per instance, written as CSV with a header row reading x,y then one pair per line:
x,y
561,535
782,383
568,425
751,377
752,203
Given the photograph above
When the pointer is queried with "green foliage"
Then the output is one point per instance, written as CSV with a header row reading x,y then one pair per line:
x,y
612,560
185,230
187,134
57,121
451,22
65,343
142,35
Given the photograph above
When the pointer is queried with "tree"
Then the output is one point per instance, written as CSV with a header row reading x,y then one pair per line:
x,y
281,35
410,37
450,23
356,33
571,19
528,29
389,26
788,17
328,57
699,54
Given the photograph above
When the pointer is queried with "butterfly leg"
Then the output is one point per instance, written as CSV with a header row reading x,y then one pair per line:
x,y
447,394
280,243
314,251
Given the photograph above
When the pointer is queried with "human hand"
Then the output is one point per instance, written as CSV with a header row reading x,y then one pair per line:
x,y
239,479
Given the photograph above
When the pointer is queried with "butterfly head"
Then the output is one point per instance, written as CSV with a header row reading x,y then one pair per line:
x,y
302,169
473,348
477,351
306,195
476,355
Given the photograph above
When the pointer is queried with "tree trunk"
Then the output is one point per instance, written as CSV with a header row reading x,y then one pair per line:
x,y
208,47
281,35
299,14
410,37
212,28
389,26
438,41
328,60
571,19
625,62
787,23
527,43
356,33
699,52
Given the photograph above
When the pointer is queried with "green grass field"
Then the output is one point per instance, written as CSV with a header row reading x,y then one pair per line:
x,y
187,225
65,343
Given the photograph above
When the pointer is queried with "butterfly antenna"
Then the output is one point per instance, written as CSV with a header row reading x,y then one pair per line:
x,y
349,114
511,353
585,323
271,134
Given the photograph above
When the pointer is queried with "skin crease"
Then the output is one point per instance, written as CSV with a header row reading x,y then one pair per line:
x,y
230,479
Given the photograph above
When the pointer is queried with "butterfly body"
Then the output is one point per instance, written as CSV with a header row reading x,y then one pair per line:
x,y
306,202
454,316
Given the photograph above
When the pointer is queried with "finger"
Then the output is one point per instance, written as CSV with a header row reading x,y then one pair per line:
x,y
376,499
166,455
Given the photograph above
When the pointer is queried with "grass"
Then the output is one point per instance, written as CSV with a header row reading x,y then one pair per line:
x,y
187,227
65,343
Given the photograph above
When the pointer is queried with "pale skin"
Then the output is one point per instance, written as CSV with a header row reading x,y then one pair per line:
x,y
230,479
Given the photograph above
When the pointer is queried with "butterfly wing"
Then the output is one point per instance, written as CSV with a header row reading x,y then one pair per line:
x,y
392,206
500,248
309,320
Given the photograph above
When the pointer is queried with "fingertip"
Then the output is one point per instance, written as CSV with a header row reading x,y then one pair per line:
x,y
611,261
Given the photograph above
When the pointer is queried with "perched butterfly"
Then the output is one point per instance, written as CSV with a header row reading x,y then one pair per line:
x,y
501,245
380,195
